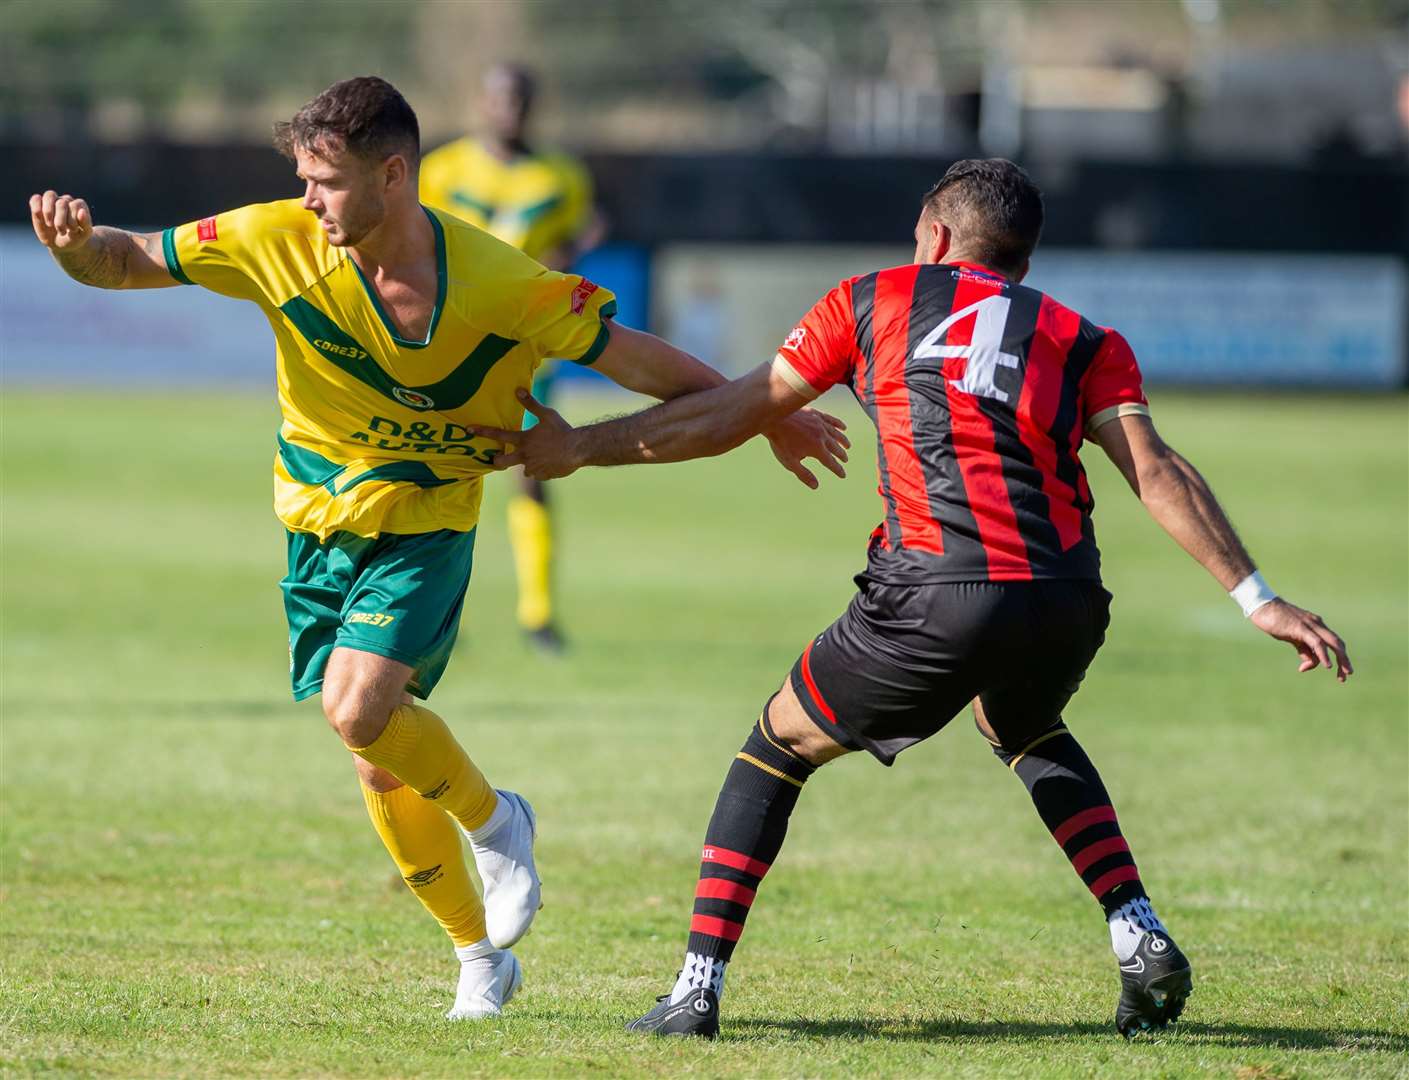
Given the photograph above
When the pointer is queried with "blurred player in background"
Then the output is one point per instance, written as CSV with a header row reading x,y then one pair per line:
x,y
982,583
541,202
396,329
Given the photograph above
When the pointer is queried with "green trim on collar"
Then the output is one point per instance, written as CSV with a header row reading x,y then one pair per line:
x,y
442,282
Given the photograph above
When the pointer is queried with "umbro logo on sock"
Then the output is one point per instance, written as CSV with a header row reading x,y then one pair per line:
x,y
424,877
437,791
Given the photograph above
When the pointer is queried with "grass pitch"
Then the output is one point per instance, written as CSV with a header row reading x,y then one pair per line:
x,y
190,886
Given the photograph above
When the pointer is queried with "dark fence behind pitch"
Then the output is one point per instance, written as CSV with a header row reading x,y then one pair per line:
x,y
1357,206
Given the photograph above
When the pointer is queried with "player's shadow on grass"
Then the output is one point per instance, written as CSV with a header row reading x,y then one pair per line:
x,y
1288,1038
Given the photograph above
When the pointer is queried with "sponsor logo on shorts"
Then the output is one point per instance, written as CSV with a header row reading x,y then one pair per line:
x,y
371,618
796,338
205,230
424,877
581,295
413,398
437,791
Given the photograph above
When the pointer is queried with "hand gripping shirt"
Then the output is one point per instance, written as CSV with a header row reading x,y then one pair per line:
x,y
375,435
536,202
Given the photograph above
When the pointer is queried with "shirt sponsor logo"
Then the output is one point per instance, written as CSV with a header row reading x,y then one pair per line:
x,y
412,398
422,437
796,338
341,350
205,229
581,295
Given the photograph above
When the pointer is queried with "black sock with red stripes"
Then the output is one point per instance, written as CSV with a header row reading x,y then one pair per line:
x,y
1073,804
744,836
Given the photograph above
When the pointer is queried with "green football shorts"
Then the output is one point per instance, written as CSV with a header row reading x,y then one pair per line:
x,y
398,596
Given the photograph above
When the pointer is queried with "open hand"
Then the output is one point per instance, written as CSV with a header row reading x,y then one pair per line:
x,y
545,450
1316,642
809,433
61,222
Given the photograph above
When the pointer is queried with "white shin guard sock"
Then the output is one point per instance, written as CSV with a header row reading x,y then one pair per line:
x,y
1129,923
698,972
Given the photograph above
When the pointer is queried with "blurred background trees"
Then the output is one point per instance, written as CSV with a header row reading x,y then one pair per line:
x,y
1140,79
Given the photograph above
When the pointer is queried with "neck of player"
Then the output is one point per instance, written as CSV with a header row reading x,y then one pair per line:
x,y
402,243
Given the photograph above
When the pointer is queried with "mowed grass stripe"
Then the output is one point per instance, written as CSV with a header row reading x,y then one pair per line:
x,y
190,887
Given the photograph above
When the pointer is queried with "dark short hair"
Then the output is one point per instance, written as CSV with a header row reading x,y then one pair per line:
x,y
365,116
994,209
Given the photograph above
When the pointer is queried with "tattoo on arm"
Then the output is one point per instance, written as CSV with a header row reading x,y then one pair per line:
x,y
103,261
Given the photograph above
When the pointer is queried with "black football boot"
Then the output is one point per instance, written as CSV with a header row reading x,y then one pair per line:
x,y
697,1013
1154,985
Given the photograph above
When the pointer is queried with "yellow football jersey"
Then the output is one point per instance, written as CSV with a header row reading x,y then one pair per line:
x,y
537,202
375,434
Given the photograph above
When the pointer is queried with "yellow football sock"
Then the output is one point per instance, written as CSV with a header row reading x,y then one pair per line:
x,y
425,845
417,748
531,536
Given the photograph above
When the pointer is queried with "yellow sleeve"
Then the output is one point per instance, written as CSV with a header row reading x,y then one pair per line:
x,y
569,216
243,253
565,316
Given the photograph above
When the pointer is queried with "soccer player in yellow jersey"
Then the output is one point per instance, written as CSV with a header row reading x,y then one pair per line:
x,y
541,202
397,328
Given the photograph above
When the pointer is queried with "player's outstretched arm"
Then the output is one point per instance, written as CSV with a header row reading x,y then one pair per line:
x,y
1183,504
95,255
701,424
649,365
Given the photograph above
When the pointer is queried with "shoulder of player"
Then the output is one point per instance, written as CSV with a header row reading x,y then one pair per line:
x,y
269,223
475,255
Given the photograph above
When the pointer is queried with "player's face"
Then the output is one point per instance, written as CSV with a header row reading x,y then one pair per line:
x,y
504,105
345,192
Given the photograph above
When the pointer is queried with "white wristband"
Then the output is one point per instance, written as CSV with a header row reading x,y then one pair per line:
x,y
1252,593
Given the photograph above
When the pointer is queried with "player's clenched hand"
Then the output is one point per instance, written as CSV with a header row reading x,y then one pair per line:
x,y
61,222
544,450
809,433
1316,642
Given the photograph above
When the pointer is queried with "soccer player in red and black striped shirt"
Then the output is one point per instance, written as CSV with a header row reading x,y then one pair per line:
x,y
982,583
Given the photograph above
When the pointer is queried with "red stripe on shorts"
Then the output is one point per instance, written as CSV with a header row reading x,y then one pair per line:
x,y
812,684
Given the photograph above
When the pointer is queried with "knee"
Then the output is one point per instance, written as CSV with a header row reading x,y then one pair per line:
x,y
357,716
790,725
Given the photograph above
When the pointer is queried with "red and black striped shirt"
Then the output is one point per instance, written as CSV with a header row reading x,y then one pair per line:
x,y
980,390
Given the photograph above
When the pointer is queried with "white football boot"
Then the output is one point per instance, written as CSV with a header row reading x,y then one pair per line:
x,y
503,852
486,985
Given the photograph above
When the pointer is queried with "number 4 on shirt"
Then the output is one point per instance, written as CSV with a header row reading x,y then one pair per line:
x,y
984,352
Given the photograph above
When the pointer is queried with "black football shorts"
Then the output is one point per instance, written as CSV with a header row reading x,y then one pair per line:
x,y
903,660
